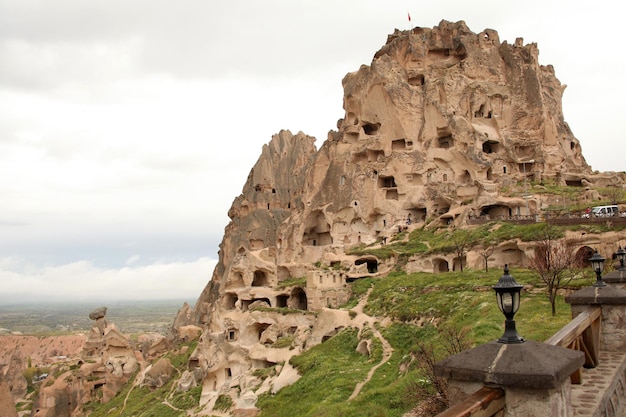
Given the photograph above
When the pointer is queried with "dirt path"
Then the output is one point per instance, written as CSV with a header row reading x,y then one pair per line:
x,y
363,320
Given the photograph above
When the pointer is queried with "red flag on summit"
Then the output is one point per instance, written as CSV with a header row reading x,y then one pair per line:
x,y
409,14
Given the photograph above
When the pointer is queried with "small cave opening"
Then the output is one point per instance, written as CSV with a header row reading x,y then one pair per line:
x,y
416,80
574,183
232,335
372,264
491,146
259,328
230,301
440,265
260,279
281,300
387,182
445,142
398,144
371,128
298,299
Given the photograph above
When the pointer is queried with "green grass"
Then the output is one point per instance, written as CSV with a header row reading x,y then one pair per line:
x,y
429,241
463,301
330,372
292,282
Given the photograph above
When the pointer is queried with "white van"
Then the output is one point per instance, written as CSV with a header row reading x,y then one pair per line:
x,y
603,211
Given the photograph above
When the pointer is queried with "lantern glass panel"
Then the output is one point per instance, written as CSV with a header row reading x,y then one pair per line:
x,y
507,302
596,265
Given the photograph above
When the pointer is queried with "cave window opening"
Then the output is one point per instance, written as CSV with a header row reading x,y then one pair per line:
x,y
232,335
273,190
372,264
260,328
387,182
281,300
504,170
299,299
260,279
228,373
371,128
398,144
490,146
574,183
417,80
445,142
230,301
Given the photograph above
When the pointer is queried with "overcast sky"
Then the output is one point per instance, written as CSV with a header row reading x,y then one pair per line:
x,y
127,128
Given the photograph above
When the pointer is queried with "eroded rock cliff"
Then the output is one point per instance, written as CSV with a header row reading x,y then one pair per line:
x,y
438,130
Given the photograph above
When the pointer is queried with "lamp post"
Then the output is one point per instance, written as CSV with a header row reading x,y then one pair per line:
x,y
621,254
508,297
597,264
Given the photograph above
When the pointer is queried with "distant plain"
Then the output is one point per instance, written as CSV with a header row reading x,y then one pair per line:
x,y
63,318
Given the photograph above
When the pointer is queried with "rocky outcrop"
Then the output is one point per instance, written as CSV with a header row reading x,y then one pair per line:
x,y
7,405
444,126
105,365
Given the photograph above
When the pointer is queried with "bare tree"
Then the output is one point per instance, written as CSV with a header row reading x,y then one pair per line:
x,y
554,261
489,246
453,340
462,239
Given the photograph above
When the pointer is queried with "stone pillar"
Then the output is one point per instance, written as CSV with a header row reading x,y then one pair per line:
x,y
616,278
534,376
612,300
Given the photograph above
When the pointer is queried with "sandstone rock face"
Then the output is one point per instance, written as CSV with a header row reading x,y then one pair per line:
x,y
7,405
158,374
435,130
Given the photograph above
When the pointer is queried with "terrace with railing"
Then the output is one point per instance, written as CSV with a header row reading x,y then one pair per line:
x,y
578,371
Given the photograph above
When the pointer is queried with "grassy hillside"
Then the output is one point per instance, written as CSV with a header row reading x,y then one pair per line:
x,y
421,306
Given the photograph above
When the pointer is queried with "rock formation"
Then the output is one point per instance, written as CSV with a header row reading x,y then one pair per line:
x,y
105,365
438,130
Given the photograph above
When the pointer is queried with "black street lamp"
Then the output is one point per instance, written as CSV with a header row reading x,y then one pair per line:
x,y
621,253
508,297
597,264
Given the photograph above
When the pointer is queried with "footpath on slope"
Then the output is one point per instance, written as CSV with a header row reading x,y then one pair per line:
x,y
362,320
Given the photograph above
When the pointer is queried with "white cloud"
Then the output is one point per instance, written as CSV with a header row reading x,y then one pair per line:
x,y
82,281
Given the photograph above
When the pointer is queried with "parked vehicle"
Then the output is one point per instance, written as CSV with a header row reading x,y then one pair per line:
x,y
602,211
